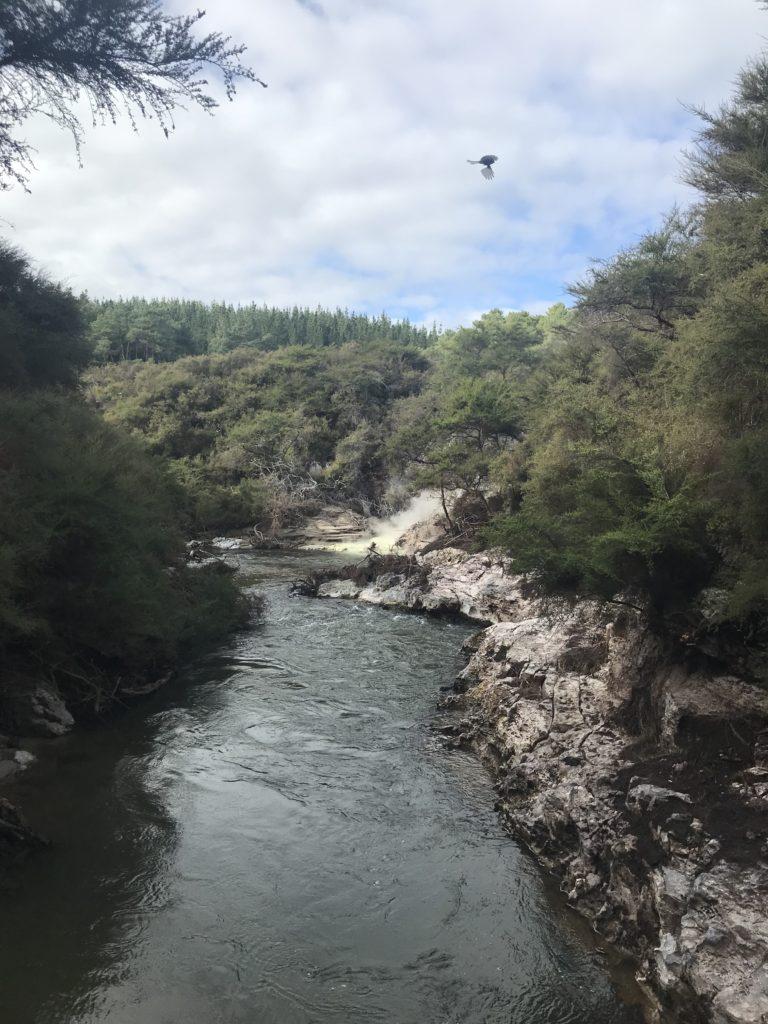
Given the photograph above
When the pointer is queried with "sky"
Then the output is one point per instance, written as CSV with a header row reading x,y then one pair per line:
x,y
346,182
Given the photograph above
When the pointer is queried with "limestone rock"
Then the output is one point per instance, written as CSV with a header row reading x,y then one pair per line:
x,y
421,535
13,759
641,783
330,525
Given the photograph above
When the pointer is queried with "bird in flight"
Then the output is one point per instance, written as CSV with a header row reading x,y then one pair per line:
x,y
486,161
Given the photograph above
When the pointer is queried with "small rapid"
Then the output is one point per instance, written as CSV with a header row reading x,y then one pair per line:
x,y
279,837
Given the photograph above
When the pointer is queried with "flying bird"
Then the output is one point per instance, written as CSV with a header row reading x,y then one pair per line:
x,y
486,161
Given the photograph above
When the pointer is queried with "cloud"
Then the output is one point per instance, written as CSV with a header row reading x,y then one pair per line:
x,y
315,8
346,181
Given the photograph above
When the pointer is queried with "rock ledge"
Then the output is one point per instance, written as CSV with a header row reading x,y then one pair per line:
x,y
641,782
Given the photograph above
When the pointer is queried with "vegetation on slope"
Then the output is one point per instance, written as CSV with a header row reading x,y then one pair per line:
x,y
256,438
628,449
94,588
95,594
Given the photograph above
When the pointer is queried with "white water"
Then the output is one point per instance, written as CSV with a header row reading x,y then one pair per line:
x,y
385,533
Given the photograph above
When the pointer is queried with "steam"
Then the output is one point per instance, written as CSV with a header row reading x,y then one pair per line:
x,y
385,533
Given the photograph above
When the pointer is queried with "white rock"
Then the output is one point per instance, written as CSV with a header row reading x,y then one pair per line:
x,y
339,588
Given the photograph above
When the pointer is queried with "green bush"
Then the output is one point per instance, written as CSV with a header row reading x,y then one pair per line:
x,y
42,335
92,575
252,434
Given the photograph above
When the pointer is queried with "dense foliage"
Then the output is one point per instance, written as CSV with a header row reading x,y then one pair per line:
x,y
42,342
463,432
94,589
257,438
165,329
623,444
95,593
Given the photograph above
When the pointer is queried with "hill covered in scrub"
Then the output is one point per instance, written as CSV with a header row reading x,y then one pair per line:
x,y
258,438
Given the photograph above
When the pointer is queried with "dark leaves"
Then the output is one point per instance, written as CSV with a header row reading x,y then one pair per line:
x,y
126,56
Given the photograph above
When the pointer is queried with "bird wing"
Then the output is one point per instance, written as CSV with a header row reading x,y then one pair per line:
x,y
487,172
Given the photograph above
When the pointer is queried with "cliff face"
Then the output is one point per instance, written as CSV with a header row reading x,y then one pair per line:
x,y
640,780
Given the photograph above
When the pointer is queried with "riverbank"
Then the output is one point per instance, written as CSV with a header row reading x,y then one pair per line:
x,y
18,840
635,772
279,835
40,704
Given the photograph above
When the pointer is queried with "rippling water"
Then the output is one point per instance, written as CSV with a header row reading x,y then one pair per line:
x,y
279,838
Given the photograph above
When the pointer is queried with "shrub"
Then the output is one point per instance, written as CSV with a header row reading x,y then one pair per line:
x,y
92,574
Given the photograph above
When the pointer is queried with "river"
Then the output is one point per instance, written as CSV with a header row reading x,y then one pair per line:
x,y
278,837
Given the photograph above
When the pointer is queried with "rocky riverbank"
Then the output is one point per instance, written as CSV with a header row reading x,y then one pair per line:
x,y
634,768
17,838
34,711
329,527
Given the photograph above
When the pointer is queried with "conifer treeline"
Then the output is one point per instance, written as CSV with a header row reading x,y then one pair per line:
x,y
162,330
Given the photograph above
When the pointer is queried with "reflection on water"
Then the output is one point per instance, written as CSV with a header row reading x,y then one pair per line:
x,y
278,838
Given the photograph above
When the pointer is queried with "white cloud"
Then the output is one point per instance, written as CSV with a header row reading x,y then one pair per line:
x,y
346,182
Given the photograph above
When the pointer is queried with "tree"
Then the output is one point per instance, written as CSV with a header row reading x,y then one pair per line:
x,y
94,589
644,288
93,582
449,439
497,342
42,339
730,155
219,327
124,56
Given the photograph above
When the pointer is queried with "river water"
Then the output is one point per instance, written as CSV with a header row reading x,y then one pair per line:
x,y
278,837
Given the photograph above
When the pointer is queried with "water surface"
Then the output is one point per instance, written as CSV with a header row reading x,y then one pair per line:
x,y
279,837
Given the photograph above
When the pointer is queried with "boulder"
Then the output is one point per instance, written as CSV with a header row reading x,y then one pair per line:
x,y
30,708
422,535
339,588
12,759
